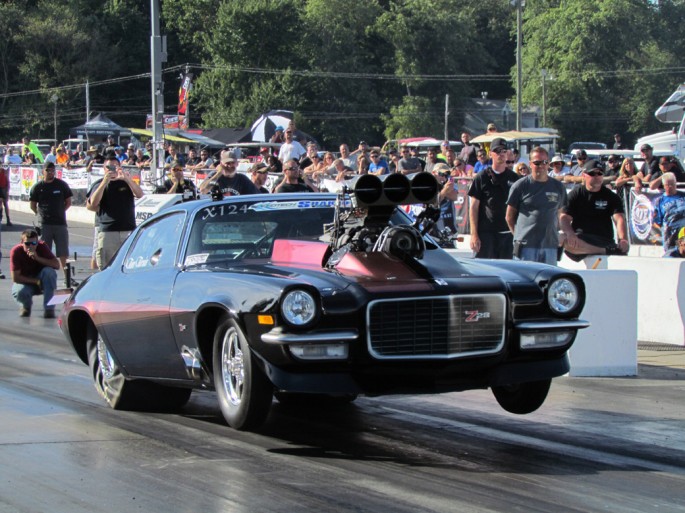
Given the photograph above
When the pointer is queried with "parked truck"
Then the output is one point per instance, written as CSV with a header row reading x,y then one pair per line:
x,y
670,141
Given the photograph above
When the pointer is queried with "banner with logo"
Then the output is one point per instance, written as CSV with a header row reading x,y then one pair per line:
x,y
183,97
640,214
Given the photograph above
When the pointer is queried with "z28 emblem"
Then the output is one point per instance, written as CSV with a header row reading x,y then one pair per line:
x,y
475,315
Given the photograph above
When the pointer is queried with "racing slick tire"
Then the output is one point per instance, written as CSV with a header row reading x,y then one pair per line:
x,y
245,393
124,394
522,398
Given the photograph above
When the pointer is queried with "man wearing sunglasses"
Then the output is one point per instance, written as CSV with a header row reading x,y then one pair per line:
x,y
259,174
113,199
177,183
576,171
533,209
226,180
588,220
490,235
291,180
33,269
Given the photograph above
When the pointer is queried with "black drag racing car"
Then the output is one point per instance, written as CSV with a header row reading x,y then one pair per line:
x,y
316,296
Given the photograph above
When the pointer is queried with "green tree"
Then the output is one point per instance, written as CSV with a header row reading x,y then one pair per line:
x,y
249,36
444,37
413,117
601,55
337,38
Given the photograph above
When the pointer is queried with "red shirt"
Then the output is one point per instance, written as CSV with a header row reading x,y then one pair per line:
x,y
21,261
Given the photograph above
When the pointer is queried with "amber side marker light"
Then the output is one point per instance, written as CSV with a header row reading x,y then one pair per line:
x,y
265,319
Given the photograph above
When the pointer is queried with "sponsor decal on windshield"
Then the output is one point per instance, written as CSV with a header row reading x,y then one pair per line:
x,y
266,206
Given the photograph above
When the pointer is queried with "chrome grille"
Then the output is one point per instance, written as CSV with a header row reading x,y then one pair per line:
x,y
436,327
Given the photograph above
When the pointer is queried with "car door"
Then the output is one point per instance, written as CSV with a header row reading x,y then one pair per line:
x,y
138,328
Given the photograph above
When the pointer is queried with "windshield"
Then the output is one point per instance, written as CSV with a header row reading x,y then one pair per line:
x,y
238,231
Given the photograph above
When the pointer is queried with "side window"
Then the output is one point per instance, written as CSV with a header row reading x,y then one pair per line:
x,y
156,245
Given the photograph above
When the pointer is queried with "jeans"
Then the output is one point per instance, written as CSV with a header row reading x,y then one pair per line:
x,y
542,255
23,293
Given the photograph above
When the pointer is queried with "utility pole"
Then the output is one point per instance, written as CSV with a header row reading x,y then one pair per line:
x,y
157,57
54,100
519,44
87,101
543,72
447,113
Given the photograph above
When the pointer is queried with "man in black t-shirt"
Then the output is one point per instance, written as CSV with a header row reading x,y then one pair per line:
x,y
227,179
113,199
490,235
291,180
177,184
588,219
50,199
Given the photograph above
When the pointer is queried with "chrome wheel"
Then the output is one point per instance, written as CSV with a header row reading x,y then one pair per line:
x,y
107,365
243,390
232,367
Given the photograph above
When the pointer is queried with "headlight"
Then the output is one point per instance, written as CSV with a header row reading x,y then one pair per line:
x,y
563,296
298,308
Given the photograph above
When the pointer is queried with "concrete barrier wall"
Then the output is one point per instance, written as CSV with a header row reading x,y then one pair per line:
x,y
660,293
609,346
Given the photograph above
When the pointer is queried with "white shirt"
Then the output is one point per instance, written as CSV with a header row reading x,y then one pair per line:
x,y
293,150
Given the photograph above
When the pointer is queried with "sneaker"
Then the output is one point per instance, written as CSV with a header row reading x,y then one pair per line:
x,y
2,276
8,224
24,312
49,314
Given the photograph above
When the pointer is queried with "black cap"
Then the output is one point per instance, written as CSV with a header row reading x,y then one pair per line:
x,y
49,165
110,155
582,154
498,143
592,165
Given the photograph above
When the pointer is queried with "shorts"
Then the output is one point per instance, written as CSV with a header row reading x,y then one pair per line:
x,y
59,234
108,245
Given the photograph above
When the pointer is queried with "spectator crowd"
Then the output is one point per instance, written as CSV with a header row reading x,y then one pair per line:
x,y
517,209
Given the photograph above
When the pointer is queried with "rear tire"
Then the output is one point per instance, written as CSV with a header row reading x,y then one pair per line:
x,y
245,393
522,398
124,394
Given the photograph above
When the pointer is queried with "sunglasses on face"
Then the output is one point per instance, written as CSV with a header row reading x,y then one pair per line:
x,y
31,243
594,173
540,162
291,168
511,161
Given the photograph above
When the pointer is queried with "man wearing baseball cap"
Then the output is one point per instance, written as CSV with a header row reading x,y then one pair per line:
x,y
113,199
227,179
650,165
490,235
588,219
